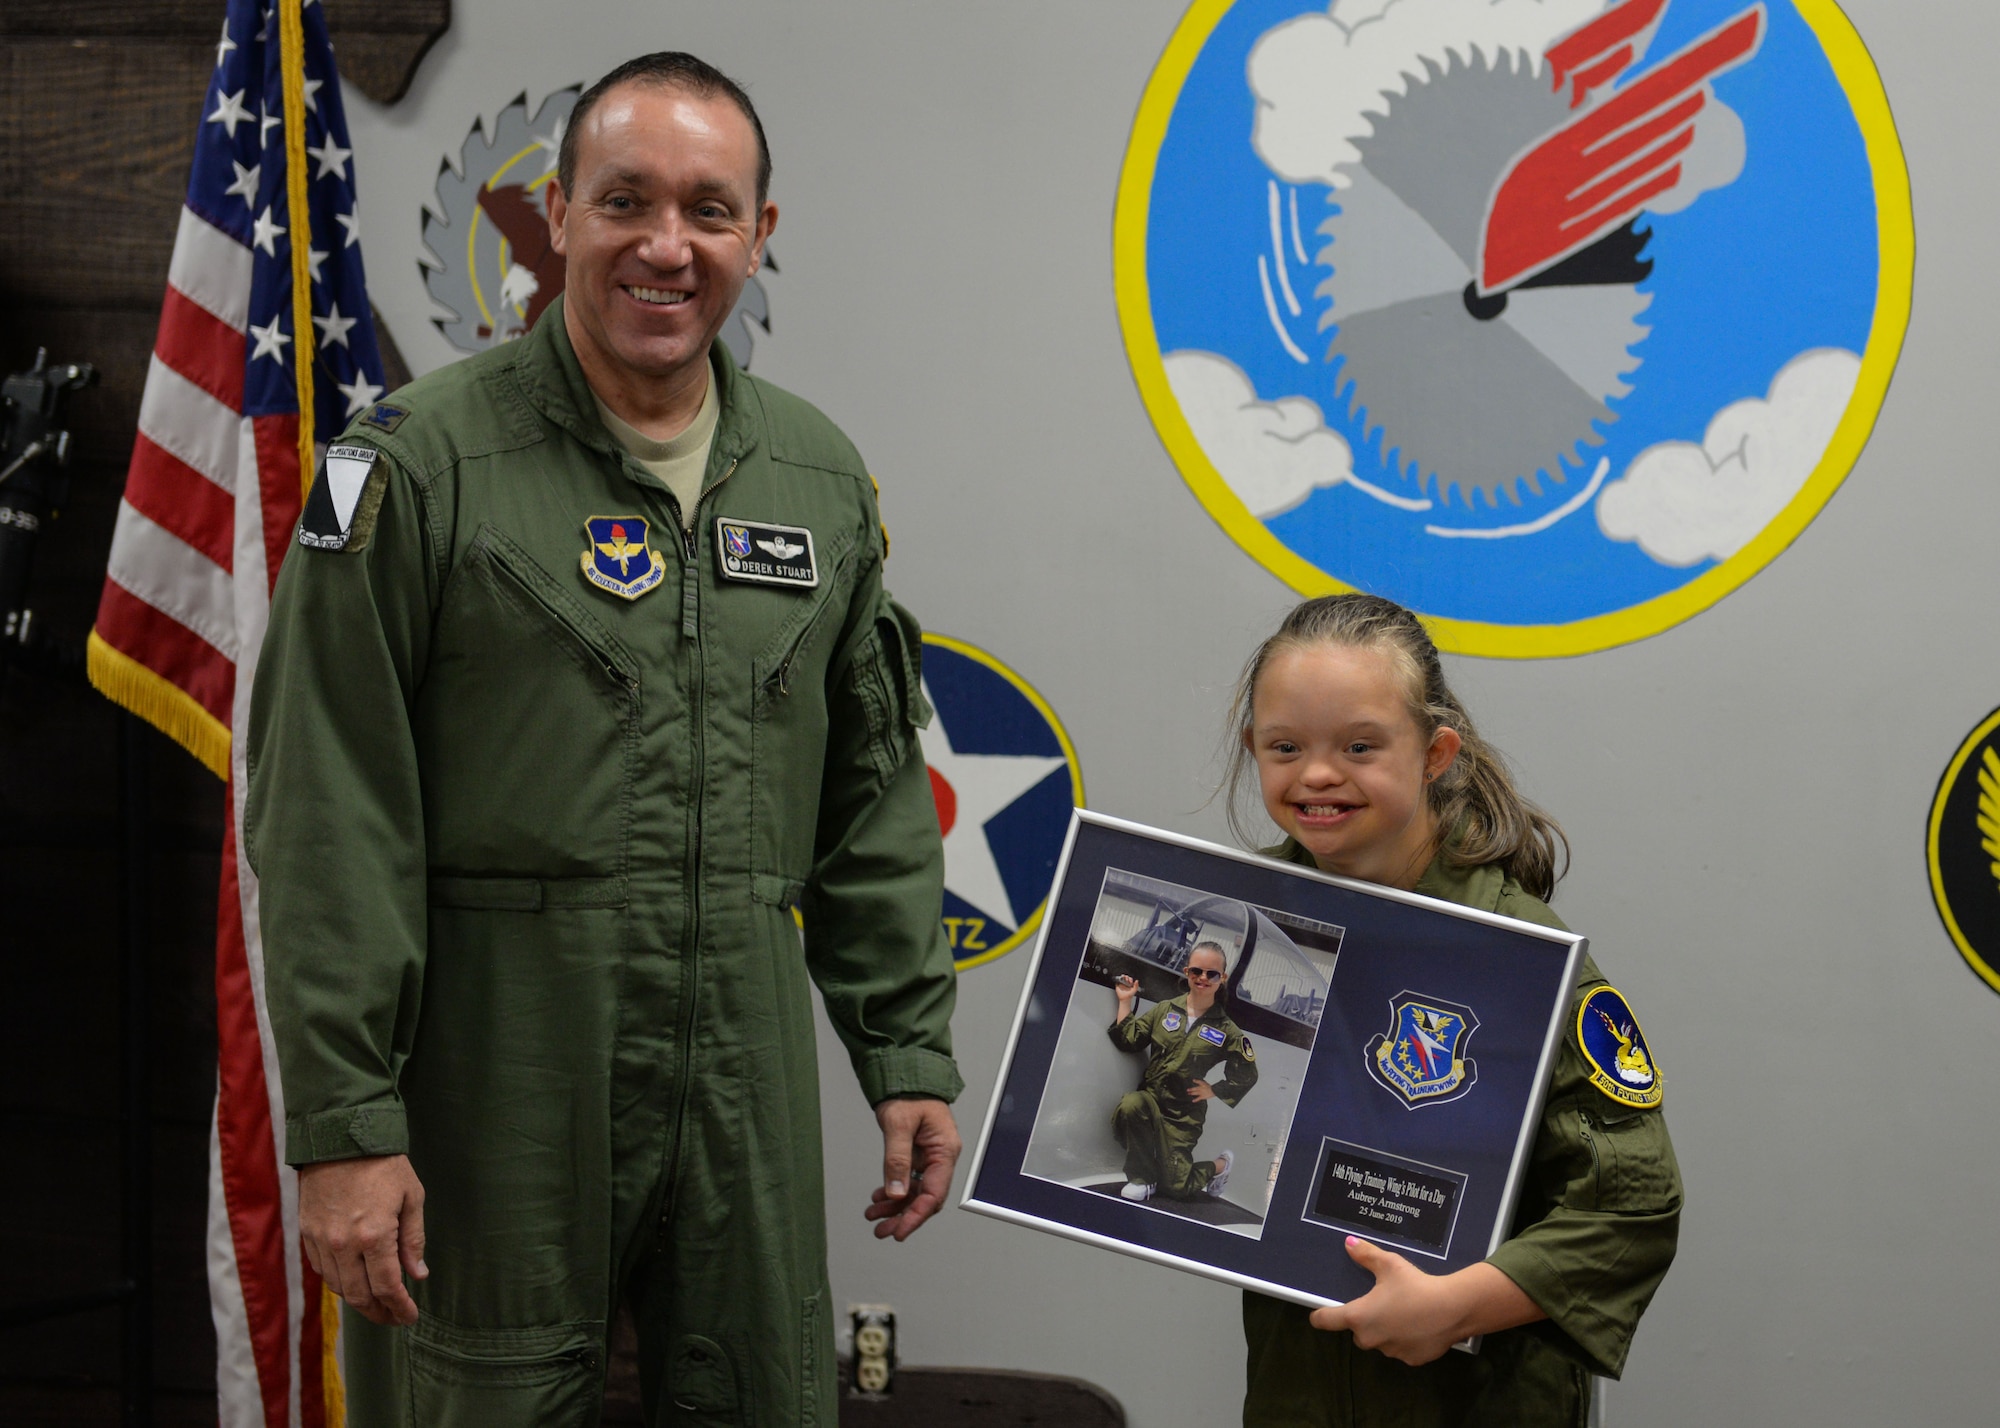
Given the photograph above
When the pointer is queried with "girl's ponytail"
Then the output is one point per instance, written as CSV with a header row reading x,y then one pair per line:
x,y
1484,817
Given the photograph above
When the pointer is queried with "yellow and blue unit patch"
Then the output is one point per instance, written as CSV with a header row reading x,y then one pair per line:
x,y
1621,1064
618,558
1422,1055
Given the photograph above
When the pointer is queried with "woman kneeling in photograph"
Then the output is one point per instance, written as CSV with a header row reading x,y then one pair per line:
x,y
1160,1123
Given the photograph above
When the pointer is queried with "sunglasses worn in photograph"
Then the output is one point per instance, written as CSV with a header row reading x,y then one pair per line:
x,y
1227,1065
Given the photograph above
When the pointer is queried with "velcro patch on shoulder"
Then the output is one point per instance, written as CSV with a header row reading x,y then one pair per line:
x,y
385,416
345,500
1621,1063
1249,1051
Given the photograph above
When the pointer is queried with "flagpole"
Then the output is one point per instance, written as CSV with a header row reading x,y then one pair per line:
x,y
292,68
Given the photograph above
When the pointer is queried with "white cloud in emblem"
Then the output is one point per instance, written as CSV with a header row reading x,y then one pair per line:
x,y
1685,503
1317,77
1272,454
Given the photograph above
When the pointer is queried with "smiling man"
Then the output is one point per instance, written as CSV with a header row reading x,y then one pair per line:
x,y
584,683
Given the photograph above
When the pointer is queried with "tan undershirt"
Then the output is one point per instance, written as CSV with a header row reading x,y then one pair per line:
x,y
680,461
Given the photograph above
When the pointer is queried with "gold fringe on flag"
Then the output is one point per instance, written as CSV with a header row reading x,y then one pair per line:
x,y
160,702
329,1348
292,66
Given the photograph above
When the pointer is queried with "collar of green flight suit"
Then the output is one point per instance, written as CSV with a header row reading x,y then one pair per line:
x,y
1215,1009
553,380
1483,887
1479,887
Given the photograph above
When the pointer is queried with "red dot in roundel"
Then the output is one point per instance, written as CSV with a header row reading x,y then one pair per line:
x,y
947,803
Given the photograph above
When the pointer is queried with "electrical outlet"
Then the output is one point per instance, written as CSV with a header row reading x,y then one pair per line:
x,y
874,1347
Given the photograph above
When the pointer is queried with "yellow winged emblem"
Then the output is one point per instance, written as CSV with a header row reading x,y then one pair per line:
x,y
1989,807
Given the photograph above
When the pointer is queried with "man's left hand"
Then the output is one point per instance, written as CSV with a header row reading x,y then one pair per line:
x,y
920,1147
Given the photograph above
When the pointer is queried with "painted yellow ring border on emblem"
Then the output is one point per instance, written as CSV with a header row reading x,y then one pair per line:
x,y
1973,959
1896,244
1027,691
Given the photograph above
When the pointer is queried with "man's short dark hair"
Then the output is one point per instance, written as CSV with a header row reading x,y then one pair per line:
x,y
681,71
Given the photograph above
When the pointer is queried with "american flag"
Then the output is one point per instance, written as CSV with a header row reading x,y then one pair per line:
x,y
210,503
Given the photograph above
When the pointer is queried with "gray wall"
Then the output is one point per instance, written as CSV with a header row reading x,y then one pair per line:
x,y
1746,793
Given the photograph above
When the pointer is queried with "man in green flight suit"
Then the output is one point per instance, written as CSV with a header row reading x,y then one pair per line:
x,y
1184,1037
583,682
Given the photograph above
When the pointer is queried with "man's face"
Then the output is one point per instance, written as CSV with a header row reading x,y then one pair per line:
x,y
663,230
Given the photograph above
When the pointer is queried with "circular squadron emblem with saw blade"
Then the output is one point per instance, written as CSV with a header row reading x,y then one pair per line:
x,y
489,261
1555,320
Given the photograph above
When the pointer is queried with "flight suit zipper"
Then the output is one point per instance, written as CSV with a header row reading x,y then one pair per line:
x,y
691,948
783,678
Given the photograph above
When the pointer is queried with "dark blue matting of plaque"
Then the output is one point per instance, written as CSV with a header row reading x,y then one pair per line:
x,y
1516,979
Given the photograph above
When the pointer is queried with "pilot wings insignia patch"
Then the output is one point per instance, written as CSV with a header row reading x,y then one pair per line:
x,y
762,554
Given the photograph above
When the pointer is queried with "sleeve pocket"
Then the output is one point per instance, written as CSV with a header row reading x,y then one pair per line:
x,y
888,674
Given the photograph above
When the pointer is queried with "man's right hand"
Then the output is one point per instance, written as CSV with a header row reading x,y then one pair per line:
x,y
363,1226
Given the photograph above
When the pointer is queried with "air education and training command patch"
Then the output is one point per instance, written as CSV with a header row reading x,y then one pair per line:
x,y
1171,1021
343,503
1421,1057
1621,1064
618,558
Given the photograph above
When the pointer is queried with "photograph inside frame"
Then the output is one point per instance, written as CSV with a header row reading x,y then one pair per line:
x,y
1180,1096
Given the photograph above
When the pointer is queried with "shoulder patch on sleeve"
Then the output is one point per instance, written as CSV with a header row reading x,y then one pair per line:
x,y
1249,1051
344,501
1621,1063
384,416
883,524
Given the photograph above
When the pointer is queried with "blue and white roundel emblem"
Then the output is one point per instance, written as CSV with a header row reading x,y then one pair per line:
x,y
1005,779
1555,320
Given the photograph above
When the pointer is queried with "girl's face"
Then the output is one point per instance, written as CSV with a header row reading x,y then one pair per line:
x,y
1342,764
1204,971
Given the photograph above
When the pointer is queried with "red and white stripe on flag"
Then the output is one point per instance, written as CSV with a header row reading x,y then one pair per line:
x,y
211,500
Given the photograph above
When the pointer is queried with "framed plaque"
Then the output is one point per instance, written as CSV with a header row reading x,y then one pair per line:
x,y
1373,1064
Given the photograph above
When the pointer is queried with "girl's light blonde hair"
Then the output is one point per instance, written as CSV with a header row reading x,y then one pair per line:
x,y
1483,816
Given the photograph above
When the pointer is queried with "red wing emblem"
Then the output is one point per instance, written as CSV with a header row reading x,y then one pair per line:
x,y
1597,172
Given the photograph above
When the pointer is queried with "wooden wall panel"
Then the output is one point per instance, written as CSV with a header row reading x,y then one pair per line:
x,y
378,42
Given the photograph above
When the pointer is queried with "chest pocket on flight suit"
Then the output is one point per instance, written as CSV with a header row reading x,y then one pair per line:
x,y
527,727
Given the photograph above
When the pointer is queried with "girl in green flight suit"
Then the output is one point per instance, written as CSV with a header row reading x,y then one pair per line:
x,y
1371,767
1185,1037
